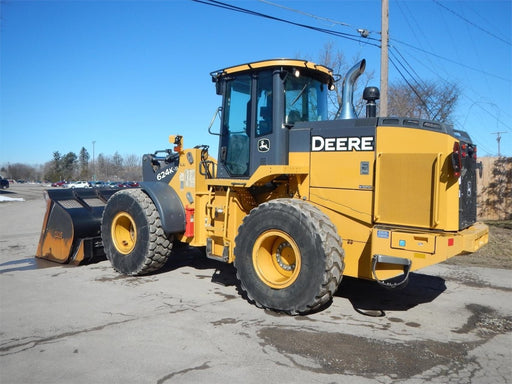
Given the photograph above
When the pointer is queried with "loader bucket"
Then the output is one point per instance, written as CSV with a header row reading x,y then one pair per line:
x,y
72,225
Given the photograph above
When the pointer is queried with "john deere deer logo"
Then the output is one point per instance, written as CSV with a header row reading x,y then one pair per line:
x,y
263,145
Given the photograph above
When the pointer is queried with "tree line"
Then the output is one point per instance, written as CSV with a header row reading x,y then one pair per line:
x,y
71,166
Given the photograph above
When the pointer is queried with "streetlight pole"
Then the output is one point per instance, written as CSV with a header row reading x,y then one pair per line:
x,y
498,139
93,164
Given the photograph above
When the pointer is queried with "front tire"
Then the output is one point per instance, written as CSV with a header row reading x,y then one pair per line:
x,y
132,234
288,257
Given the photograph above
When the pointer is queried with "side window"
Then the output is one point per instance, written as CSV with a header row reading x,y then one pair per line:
x,y
237,104
264,104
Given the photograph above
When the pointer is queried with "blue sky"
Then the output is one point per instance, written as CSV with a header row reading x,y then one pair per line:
x,y
127,74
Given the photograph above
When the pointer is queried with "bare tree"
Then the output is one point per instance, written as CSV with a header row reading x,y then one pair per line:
x,y
433,101
333,58
19,171
117,165
132,167
102,167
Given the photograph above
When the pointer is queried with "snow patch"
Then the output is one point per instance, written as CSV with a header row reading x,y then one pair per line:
x,y
5,198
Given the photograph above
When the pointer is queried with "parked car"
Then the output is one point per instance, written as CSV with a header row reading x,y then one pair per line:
x,y
78,184
4,183
98,184
59,184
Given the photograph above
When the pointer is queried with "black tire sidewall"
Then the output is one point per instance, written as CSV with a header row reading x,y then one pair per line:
x,y
301,293
133,262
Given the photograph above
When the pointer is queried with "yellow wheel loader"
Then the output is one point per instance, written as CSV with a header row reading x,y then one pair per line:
x,y
294,200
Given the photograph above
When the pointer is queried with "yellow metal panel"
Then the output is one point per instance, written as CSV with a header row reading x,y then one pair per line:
x,y
190,185
342,170
475,237
357,259
404,183
351,203
418,242
405,188
263,174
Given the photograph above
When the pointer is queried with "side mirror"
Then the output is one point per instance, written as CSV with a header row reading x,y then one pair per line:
x,y
220,87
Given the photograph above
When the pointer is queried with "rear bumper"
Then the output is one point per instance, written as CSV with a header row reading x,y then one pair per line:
x,y
425,248
474,237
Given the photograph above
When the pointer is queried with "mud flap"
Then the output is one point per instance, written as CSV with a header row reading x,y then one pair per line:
x,y
72,225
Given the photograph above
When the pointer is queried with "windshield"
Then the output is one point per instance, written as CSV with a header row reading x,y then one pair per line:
x,y
305,100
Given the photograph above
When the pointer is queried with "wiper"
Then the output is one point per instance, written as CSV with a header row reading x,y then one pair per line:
x,y
300,93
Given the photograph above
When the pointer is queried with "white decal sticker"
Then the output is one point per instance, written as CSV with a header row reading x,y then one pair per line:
x,y
342,144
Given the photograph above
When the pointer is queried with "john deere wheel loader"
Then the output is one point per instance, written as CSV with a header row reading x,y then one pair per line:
x,y
294,200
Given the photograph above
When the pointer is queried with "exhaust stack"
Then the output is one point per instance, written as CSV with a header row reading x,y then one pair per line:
x,y
347,99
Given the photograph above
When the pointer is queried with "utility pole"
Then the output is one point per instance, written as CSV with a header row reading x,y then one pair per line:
x,y
498,139
384,58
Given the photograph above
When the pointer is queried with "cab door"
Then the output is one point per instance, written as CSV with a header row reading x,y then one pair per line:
x,y
234,149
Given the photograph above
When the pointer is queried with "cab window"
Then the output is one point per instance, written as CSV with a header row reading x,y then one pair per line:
x,y
264,104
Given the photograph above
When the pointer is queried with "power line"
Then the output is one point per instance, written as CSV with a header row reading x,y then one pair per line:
x,y
471,23
418,95
234,8
451,61
416,75
368,40
332,21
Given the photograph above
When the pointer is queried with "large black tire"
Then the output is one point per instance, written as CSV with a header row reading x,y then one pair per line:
x,y
132,234
288,257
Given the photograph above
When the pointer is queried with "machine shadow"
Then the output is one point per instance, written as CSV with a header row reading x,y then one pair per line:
x,y
366,297
195,257
371,299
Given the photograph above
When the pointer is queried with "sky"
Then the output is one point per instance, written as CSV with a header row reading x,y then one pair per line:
x,y
121,76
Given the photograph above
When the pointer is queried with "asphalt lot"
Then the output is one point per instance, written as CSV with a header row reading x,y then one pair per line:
x,y
188,324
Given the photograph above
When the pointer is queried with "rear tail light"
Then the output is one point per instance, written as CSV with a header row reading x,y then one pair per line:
x,y
457,159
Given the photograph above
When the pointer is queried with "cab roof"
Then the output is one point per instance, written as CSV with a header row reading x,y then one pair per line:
x,y
321,71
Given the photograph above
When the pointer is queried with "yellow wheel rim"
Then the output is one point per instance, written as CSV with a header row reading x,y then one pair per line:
x,y
276,259
124,233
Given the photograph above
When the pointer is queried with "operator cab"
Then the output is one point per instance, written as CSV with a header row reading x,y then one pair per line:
x,y
261,102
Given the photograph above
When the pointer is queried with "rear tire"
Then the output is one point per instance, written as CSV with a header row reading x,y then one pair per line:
x,y
132,234
288,257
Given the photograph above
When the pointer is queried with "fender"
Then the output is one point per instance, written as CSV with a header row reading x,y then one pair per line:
x,y
168,204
